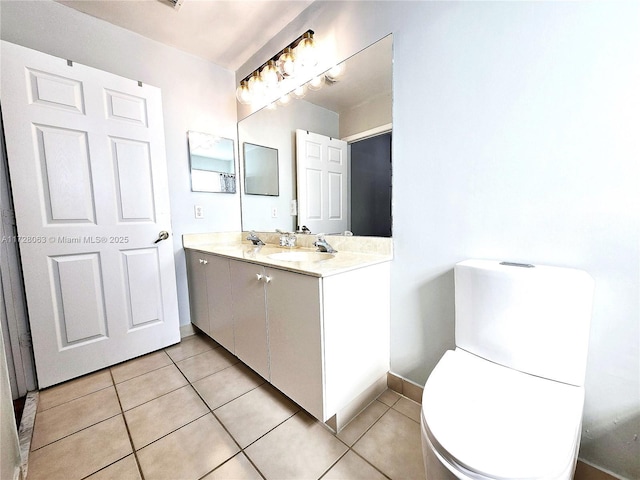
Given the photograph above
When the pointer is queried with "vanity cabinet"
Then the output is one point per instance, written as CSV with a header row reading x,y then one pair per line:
x,y
248,296
294,311
321,340
209,283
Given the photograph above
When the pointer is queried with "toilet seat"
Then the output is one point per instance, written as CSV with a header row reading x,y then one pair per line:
x,y
490,421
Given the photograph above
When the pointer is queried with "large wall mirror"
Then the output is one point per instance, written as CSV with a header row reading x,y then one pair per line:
x,y
356,107
212,162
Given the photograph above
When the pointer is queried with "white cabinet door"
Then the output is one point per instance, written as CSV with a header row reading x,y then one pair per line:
x,y
219,295
86,155
249,315
322,180
198,294
295,338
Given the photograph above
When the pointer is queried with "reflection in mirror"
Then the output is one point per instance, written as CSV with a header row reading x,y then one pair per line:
x,y
212,162
353,107
260,170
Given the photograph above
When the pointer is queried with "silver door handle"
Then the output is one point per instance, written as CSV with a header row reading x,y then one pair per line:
x,y
163,235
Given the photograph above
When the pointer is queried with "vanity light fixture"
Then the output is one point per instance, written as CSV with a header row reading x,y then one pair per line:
x,y
287,73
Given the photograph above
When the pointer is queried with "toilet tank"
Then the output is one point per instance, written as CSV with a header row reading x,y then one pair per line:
x,y
531,318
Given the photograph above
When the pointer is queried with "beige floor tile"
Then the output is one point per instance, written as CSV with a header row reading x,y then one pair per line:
x,y
140,366
389,397
300,448
70,417
125,469
188,453
151,385
352,467
73,389
393,446
158,417
206,363
359,425
237,468
81,454
189,347
253,414
409,408
228,384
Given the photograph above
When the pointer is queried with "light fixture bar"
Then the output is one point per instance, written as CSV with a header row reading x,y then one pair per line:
x,y
292,45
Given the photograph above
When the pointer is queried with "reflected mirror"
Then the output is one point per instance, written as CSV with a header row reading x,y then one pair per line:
x,y
355,106
212,162
260,170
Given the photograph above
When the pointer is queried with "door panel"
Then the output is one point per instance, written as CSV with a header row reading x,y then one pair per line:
x,y
56,91
65,174
88,171
132,164
78,298
142,281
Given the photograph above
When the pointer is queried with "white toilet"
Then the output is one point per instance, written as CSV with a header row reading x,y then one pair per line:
x,y
507,402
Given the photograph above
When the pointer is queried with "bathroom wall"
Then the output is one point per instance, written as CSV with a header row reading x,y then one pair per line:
x,y
196,95
515,136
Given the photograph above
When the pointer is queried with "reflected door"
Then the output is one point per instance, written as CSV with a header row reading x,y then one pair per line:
x,y
88,174
321,167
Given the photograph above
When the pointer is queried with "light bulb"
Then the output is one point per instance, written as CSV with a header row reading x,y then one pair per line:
x,y
300,91
287,63
255,84
243,94
336,72
269,74
316,83
305,51
284,99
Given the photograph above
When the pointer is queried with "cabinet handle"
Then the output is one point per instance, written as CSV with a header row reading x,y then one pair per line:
x,y
205,261
201,260
267,279
259,276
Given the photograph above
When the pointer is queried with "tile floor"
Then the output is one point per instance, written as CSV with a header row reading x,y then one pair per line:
x,y
193,411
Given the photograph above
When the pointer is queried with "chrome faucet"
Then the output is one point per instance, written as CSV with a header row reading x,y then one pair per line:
x,y
253,238
323,245
287,239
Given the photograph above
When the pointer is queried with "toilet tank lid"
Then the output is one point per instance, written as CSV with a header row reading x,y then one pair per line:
x,y
500,422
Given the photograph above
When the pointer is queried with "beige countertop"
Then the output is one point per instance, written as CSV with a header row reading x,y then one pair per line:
x,y
233,247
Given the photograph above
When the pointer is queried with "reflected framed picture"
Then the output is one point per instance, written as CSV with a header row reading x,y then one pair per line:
x,y
213,163
260,170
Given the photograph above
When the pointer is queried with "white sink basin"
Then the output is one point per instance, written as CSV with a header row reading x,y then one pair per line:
x,y
301,256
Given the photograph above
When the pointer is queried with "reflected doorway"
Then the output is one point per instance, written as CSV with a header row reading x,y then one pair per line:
x,y
371,186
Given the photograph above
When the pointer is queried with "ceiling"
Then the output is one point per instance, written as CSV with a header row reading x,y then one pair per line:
x,y
229,32
225,32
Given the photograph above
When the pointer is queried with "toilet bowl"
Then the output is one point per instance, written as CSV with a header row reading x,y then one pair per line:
x,y
481,417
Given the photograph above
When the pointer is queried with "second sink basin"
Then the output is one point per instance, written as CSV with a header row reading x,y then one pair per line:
x,y
301,256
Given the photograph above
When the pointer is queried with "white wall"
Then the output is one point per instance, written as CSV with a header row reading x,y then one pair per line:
x,y
277,129
196,95
515,136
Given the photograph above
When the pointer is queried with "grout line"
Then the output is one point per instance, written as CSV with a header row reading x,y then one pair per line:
x,y
126,425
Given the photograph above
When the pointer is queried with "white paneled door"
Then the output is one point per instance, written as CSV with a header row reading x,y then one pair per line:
x,y
322,174
88,175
